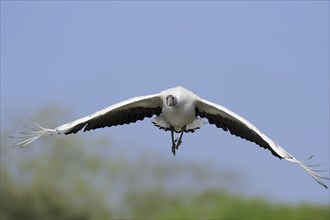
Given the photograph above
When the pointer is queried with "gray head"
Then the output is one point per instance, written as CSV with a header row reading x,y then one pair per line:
x,y
171,100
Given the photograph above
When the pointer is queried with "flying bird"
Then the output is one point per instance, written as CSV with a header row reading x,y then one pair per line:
x,y
177,110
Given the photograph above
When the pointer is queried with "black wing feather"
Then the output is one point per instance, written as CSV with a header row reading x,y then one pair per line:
x,y
116,117
236,128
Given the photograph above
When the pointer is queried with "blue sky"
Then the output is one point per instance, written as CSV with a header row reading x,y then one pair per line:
x,y
267,61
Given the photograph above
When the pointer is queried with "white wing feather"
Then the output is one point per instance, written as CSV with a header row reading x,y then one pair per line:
x,y
38,131
214,109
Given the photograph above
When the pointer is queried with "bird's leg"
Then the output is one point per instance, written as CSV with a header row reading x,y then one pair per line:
x,y
173,142
179,140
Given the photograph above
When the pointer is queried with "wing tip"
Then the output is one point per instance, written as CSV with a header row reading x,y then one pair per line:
x,y
308,168
36,132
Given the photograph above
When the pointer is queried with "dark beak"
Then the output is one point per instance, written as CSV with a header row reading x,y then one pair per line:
x,y
170,100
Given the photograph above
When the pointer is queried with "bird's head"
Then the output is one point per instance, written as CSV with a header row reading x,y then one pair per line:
x,y
171,100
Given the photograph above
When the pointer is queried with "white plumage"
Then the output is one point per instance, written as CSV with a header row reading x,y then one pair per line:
x,y
177,110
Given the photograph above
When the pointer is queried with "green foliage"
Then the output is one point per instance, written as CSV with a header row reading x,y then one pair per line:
x,y
212,204
47,187
63,178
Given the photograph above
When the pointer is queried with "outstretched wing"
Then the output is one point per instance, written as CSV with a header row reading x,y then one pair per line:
x,y
223,118
125,112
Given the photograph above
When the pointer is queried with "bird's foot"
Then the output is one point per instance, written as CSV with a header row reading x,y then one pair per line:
x,y
177,142
174,148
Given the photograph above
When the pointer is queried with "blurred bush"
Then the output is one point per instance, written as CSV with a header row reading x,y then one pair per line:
x,y
81,178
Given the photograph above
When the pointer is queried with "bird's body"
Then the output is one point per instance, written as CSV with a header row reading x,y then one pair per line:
x,y
183,113
175,110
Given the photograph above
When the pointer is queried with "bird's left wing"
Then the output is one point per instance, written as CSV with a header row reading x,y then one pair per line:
x,y
124,112
223,118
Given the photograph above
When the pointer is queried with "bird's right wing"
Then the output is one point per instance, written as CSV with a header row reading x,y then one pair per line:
x,y
124,112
